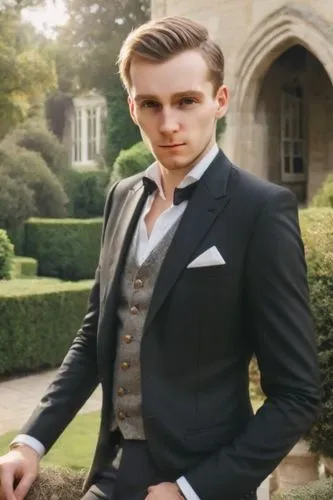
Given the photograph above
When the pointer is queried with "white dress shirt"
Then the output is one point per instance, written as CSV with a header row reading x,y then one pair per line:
x,y
144,245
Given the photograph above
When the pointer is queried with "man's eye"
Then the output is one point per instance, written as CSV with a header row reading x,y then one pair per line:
x,y
187,101
149,104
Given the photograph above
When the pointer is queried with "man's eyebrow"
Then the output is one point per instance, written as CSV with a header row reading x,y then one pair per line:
x,y
184,93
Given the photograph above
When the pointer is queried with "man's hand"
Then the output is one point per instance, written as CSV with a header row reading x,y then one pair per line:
x,y
164,491
19,466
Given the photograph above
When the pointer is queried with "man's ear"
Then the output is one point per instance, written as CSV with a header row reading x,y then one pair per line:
x,y
132,109
222,98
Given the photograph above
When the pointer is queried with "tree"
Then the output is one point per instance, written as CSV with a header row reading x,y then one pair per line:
x,y
93,37
25,74
96,30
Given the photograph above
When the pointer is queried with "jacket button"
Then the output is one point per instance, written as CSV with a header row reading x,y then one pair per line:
x,y
121,415
125,365
128,339
121,391
138,283
134,310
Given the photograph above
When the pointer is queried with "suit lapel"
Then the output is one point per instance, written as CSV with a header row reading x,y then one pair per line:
x,y
122,237
208,201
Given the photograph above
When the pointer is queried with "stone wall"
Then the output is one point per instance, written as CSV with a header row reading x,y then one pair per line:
x,y
252,34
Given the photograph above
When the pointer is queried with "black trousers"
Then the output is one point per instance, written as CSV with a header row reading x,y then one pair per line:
x,y
130,482
136,473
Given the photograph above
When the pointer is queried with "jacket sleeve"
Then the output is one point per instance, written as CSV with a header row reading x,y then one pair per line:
x,y
277,312
77,376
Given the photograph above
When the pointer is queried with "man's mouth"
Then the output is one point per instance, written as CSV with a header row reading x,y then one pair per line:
x,y
171,146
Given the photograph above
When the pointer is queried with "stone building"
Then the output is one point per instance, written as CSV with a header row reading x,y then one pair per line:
x,y
279,68
84,133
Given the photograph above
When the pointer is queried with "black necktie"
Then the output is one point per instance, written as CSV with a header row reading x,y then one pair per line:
x,y
179,195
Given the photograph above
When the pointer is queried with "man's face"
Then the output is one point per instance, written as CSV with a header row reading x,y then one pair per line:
x,y
176,108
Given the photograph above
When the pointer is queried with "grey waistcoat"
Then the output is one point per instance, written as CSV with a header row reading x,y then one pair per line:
x,y
136,290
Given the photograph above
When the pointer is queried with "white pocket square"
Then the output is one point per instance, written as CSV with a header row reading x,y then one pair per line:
x,y
210,257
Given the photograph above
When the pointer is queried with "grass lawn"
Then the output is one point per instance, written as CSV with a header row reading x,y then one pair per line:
x,y
75,447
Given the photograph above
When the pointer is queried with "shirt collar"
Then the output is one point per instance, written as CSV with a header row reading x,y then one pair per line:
x,y
154,173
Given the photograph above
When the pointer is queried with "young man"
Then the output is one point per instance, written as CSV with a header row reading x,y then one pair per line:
x,y
201,266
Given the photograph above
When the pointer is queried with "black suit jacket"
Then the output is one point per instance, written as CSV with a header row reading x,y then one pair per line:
x,y
203,326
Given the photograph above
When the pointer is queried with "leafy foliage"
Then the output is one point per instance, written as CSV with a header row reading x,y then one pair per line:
x,y
86,192
30,337
317,231
34,135
121,132
6,255
25,74
131,161
95,32
24,267
64,248
88,47
27,187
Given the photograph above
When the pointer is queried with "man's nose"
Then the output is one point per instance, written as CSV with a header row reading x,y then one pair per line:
x,y
169,122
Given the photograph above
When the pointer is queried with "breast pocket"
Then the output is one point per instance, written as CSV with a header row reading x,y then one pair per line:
x,y
203,272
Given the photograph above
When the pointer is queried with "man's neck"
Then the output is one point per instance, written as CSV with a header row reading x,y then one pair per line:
x,y
170,179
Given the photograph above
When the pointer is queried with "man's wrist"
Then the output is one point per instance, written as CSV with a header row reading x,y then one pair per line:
x,y
17,445
31,442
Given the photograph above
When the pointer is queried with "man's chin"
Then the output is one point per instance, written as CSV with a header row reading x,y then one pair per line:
x,y
175,163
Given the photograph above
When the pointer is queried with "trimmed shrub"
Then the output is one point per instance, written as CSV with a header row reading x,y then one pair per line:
x,y
34,135
317,490
24,267
28,187
64,248
324,195
49,195
86,191
16,201
317,231
6,255
17,237
131,161
38,320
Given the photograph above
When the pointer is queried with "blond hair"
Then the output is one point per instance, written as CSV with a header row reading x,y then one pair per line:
x,y
160,40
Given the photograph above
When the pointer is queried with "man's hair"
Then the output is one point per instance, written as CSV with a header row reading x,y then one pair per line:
x,y
160,40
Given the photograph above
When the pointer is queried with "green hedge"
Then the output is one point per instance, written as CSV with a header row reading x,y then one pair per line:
x,y
86,191
317,231
64,248
38,320
318,490
6,255
24,267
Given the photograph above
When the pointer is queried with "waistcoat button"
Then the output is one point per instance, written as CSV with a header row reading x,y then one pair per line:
x,y
121,391
138,283
128,339
125,365
121,415
134,310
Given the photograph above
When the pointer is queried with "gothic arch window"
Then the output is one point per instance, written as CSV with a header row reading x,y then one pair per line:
x,y
293,142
